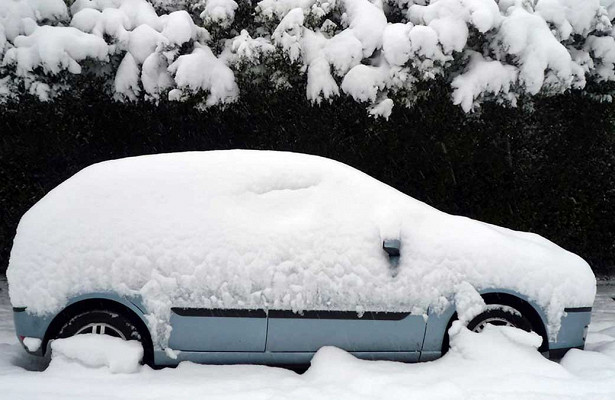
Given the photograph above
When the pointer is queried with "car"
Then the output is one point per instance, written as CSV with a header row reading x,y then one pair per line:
x,y
264,257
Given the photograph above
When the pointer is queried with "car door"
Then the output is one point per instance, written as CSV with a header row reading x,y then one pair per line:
x,y
371,332
218,330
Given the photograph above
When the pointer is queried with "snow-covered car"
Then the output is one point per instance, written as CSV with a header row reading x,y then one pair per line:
x,y
264,257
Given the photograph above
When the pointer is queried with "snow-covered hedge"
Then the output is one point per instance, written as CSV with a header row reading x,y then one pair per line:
x,y
376,52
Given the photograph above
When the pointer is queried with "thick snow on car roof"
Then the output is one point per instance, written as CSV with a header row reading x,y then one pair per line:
x,y
273,230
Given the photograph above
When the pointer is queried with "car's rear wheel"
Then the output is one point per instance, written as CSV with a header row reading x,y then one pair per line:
x,y
100,322
499,315
107,322
102,328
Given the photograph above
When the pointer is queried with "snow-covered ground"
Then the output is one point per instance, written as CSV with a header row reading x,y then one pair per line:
x,y
498,363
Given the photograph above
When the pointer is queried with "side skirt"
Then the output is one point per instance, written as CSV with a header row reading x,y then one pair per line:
x,y
269,358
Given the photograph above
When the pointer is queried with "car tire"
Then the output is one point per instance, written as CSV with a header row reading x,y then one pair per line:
x,y
114,323
496,314
100,322
499,315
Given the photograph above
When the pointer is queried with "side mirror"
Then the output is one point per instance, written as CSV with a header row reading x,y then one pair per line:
x,y
391,246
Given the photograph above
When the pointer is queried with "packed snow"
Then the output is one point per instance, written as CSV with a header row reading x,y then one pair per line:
x,y
373,51
269,230
32,344
97,351
499,363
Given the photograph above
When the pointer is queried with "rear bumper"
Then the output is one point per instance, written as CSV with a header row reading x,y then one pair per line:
x,y
32,326
573,331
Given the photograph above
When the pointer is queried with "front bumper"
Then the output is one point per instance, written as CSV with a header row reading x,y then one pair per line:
x,y
573,331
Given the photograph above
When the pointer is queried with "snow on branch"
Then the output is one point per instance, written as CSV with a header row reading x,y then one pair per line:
x,y
203,71
489,50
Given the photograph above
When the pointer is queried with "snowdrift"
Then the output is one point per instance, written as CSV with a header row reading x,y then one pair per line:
x,y
498,363
98,351
272,230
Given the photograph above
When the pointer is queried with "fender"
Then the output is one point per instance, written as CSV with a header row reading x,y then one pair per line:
x,y
438,323
38,326
133,302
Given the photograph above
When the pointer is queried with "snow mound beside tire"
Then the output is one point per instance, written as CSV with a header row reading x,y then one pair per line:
x,y
498,363
98,351
495,343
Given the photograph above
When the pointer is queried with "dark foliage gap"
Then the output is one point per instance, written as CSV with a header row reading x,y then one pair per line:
x,y
548,168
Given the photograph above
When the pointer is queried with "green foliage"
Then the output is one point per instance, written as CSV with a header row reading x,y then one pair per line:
x,y
546,167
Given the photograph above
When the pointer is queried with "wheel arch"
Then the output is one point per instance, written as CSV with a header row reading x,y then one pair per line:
x,y
106,301
525,306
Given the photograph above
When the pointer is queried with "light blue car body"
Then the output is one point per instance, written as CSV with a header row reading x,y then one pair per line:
x,y
283,337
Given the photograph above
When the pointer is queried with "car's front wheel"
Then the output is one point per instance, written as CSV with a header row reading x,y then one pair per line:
x,y
499,315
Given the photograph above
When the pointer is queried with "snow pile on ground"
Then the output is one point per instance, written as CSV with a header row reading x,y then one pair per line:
x,y
499,363
488,49
268,230
7,329
96,351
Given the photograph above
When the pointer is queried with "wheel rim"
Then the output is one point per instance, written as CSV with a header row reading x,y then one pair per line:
x,y
493,321
101,328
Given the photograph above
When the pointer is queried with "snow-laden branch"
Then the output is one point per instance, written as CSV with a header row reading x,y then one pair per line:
x,y
489,50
